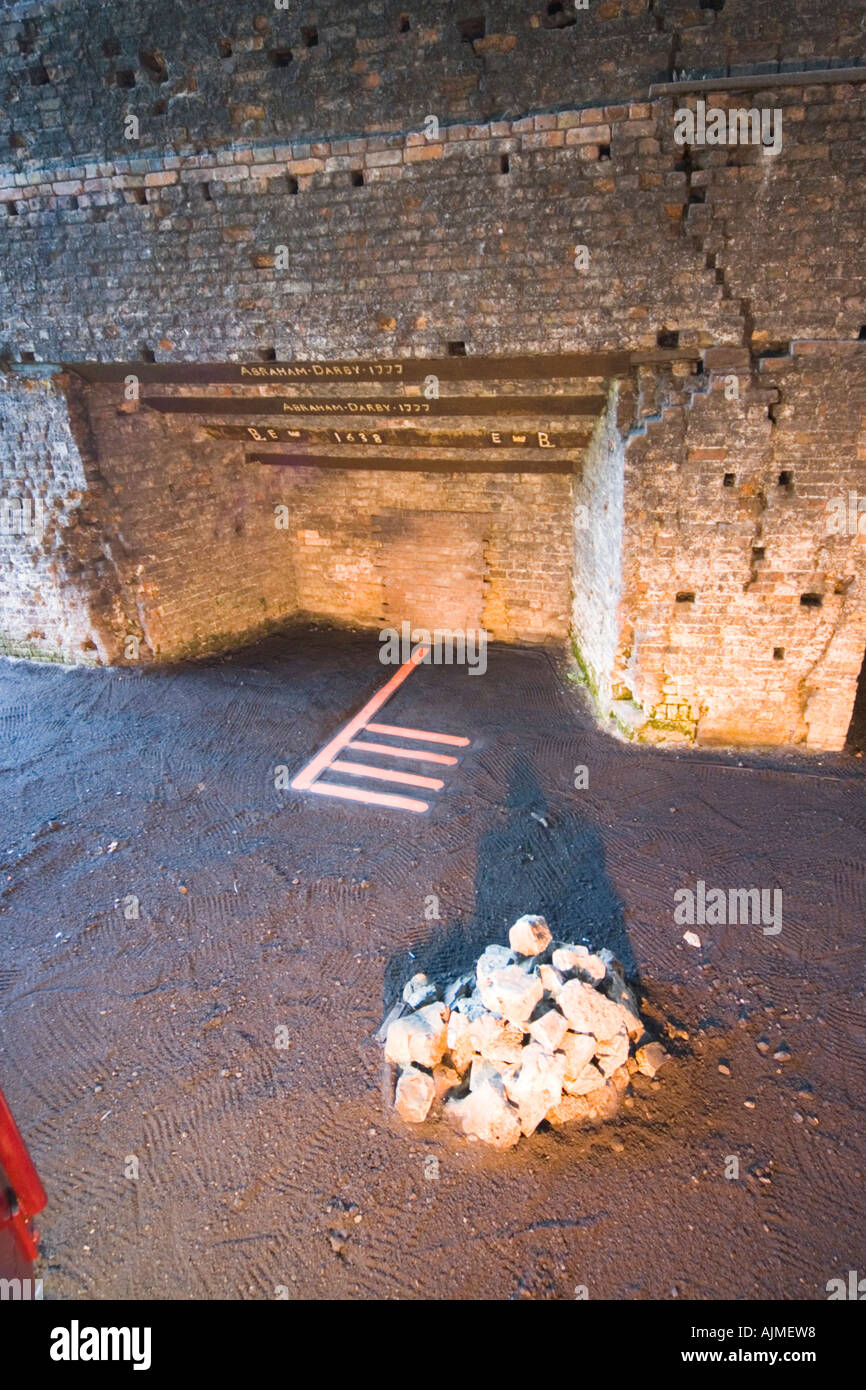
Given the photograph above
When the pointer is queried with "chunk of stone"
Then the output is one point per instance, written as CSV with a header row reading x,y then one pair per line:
x,y
493,958
471,1006
530,936
617,990
459,1041
420,1037
445,1079
650,1058
612,1054
485,1114
550,979
458,988
537,1086
483,1073
512,993
578,1050
578,960
588,1011
418,991
590,1079
414,1095
594,1107
495,1039
549,1029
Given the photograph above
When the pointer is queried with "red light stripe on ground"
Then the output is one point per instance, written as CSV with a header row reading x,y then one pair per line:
x,y
384,774
415,754
399,803
423,735
307,775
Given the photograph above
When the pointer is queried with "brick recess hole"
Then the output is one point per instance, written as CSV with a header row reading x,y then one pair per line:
x,y
268,354
403,24
310,36
125,78
504,164
861,336
11,209
225,48
786,478
717,5
39,76
147,354
472,29
154,64
138,195
668,338
758,552
357,178
778,653
729,480
279,57
685,596
811,600
293,183
559,16
110,48
28,357
604,151
456,349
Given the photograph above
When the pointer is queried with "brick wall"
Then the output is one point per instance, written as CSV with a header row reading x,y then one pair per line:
x,y
170,247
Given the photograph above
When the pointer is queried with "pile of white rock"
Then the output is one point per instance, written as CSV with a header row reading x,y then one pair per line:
x,y
541,1031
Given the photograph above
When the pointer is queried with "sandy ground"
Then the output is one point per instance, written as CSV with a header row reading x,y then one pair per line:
x,y
261,1167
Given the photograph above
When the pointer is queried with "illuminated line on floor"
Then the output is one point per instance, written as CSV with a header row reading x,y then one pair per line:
x,y
384,774
328,759
422,735
308,774
414,753
400,803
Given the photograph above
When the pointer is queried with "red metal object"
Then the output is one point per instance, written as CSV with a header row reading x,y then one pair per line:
x,y
22,1197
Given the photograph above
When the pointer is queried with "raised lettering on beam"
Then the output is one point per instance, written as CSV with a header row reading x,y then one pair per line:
x,y
416,439
537,406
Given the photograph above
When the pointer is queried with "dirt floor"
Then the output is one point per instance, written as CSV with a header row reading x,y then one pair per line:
x,y
261,1167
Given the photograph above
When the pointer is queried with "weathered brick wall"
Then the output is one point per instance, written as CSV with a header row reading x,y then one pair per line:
x,y
215,70
212,547
168,248
730,505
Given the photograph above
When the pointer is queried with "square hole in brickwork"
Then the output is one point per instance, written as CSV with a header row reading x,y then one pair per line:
x,y
39,76
11,209
225,48
125,78
293,183
110,48
560,15
717,5
685,596
758,552
206,193
811,600
861,336
27,357
472,29
668,338
504,164
154,64
403,24
138,195
310,35
604,151
267,354
786,479
778,653
279,57
729,479
357,178
147,354
456,349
